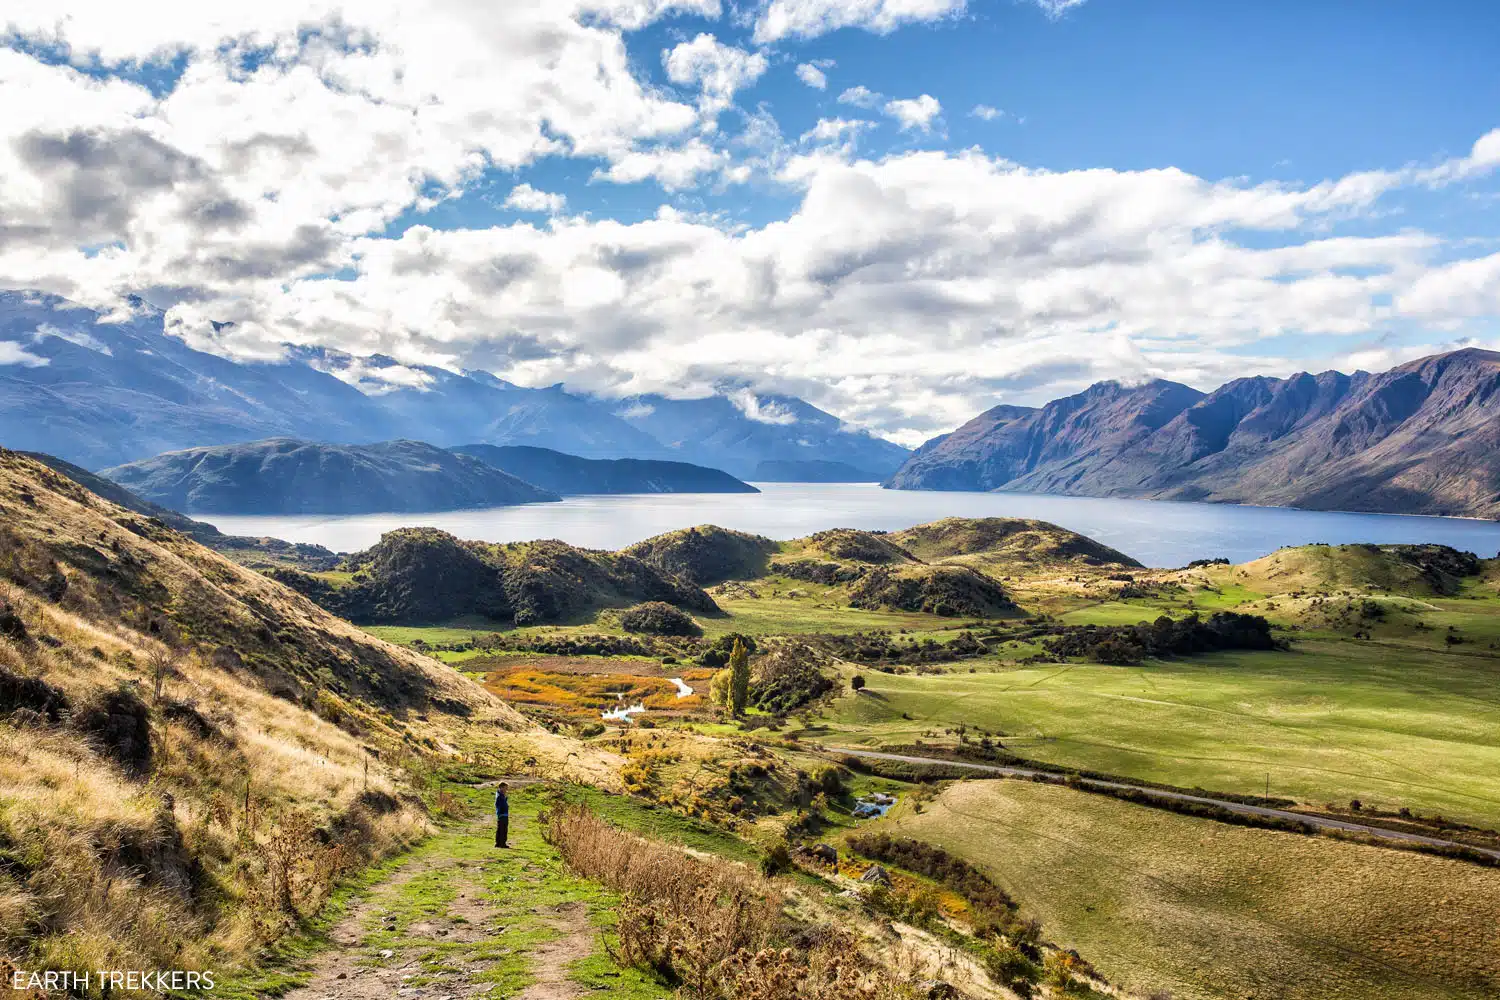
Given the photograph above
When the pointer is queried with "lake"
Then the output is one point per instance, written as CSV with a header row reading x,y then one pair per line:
x,y
1158,533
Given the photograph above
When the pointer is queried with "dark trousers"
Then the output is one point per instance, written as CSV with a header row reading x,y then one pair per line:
x,y
502,830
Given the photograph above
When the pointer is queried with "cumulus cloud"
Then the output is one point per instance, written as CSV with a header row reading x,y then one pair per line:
x,y
813,76
718,70
861,97
903,292
673,167
986,112
525,198
780,19
835,129
915,114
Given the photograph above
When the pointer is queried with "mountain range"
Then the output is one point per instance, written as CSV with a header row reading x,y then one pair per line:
x,y
571,475
1422,438
286,476
106,393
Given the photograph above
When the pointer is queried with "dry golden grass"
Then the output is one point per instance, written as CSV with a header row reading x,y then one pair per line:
x,y
1161,901
716,927
285,746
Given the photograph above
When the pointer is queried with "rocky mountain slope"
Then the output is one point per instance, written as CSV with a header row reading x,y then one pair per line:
x,y
1422,438
107,393
286,476
569,474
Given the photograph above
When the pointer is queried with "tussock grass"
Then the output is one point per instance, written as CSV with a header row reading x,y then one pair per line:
x,y
282,749
714,928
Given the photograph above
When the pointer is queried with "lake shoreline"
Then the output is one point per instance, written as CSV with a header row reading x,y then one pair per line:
x,y
1161,533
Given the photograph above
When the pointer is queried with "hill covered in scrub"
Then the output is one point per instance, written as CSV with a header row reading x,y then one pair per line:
x,y
569,474
287,476
174,731
427,575
706,554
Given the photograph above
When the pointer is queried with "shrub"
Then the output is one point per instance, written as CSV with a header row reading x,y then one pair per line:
x,y
857,682
659,618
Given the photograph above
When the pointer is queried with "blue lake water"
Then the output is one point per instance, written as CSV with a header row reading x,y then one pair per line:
x,y
1158,533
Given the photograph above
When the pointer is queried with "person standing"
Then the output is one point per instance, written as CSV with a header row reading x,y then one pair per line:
x,y
502,816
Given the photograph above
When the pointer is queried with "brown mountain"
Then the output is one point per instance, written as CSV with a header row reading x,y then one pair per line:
x,y
1422,438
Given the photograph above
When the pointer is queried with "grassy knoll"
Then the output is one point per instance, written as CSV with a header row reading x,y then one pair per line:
x,y
1328,721
1165,902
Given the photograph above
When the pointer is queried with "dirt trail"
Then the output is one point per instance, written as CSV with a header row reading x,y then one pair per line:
x,y
455,922
551,960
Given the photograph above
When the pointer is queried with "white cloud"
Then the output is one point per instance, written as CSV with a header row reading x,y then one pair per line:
x,y
986,112
780,19
835,129
861,97
718,70
673,167
761,411
812,76
1057,8
79,338
525,198
12,353
903,292
915,114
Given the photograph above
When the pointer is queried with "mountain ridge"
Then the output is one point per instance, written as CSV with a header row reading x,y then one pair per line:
x,y
1421,438
288,476
572,475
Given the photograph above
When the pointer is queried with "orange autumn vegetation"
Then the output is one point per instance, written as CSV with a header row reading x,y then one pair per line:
x,y
585,696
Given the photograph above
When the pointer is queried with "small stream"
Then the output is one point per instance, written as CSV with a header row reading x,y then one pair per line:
x,y
624,713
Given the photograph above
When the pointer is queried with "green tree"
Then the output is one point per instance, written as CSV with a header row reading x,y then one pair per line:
x,y
739,677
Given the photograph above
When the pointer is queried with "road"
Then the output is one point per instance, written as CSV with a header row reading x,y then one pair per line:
x,y
1244,809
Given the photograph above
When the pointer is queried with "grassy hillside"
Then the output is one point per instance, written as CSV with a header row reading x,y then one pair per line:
x,y
1415,570
1007,540
176,728
1160,902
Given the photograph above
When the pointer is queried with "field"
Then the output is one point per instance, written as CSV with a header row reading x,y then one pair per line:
x,y
1164,902
1327,722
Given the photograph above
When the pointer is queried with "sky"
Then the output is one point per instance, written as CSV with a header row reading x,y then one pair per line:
x,y
903,211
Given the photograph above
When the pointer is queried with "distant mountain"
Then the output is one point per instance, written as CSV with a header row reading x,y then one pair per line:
x,y
103,394
286,476
569,474
1422,438
740,430
253,552
811,471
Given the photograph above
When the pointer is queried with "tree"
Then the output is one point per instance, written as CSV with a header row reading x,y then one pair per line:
x,y
718,688
739,677
857,682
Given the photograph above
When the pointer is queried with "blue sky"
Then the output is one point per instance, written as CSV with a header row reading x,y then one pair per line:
x,y
649,195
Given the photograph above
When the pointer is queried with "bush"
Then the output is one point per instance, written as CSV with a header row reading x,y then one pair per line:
x,y
857,682
659,618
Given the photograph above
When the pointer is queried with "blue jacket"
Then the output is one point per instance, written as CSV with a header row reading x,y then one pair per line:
x,y
502,804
